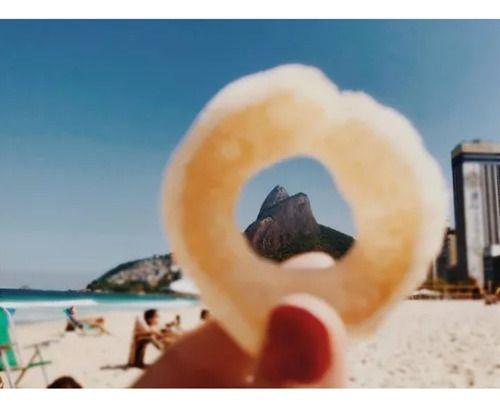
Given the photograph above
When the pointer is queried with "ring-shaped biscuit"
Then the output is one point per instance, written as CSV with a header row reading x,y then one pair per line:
x,y
394,187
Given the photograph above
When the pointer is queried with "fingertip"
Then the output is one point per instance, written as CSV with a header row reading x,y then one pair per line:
x,y
305,345
313,259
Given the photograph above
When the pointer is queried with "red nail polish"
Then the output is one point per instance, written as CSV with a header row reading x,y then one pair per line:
x,y
297,348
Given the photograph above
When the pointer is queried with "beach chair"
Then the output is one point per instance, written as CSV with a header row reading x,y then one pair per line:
x,y
82,327
10,352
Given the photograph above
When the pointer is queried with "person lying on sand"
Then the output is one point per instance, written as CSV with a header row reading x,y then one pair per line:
x,y
148,332
74,323
305,346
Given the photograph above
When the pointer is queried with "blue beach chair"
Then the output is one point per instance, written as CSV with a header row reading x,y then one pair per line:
x,y
82,327
10,352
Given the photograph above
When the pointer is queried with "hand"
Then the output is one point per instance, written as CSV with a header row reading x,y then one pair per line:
x,y
305,345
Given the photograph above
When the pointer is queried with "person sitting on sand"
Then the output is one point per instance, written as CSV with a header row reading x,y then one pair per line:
x,y
74,323
147,332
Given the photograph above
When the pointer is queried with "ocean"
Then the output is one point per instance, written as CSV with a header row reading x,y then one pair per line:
x,y
41,305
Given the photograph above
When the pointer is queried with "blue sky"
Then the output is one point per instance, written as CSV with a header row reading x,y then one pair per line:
x,y
91,110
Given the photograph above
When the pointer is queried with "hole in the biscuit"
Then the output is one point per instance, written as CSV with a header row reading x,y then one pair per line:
x,y
294,208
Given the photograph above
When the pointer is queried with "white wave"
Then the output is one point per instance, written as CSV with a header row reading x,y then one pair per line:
x,y
185,285
148,304
29,304
28,314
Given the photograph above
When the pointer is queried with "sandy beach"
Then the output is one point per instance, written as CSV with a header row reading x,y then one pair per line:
x,y
94,361
431,344
421,344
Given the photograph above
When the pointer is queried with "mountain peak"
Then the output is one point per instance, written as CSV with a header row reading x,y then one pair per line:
x,y
276,195
286,226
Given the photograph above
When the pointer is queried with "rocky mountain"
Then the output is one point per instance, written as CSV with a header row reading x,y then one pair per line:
x,y
149,275
285,226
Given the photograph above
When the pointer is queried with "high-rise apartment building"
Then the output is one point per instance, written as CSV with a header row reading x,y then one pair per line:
x,y
476,190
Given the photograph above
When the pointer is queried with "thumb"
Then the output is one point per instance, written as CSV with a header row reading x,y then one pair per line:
x,y
305,346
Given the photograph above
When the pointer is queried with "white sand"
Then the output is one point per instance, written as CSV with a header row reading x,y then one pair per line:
x,y
94,361
421,344
431,344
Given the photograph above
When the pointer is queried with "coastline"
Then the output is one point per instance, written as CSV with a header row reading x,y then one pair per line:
x,y
32,306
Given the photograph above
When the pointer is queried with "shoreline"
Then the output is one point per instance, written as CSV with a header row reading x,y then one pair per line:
x,y
33,306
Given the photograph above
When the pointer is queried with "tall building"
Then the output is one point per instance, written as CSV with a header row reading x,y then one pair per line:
x,y
476,190
445,265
